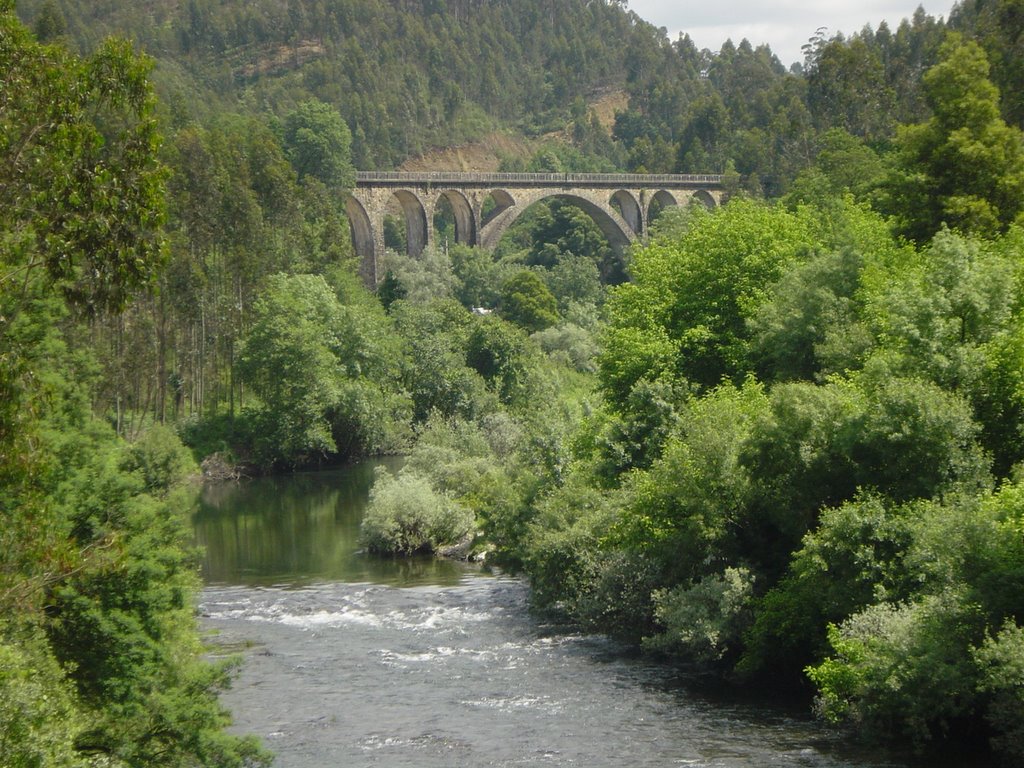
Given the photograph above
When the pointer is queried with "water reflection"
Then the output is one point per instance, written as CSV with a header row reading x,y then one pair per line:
x,y
302,528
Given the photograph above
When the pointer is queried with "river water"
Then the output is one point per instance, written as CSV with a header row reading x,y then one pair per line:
x,y
351,660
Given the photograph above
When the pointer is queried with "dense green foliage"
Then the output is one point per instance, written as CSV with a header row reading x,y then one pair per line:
x,y
838,513
326,375
267,110
733,257
406,76
964,167
101,660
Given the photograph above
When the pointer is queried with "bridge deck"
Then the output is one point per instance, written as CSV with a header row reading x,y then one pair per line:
x,y
590,180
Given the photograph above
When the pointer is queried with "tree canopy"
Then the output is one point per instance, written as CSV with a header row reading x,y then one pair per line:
x,y
964,167
101,656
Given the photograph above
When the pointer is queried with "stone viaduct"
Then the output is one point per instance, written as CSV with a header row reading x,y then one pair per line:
x,y
483,205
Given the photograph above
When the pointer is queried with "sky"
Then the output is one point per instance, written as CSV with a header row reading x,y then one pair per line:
x,y
784,24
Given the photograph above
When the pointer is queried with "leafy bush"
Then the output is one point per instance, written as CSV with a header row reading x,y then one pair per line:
x,y
811,313
322,370
899,670
692,295
220,433
38,718
560,545
1001,662
527,302
472,463
570,345
436,373
853,556
161,459
704,621
405,516
425,278
905,438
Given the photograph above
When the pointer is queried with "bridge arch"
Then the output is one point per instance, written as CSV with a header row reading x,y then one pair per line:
x,y
363,239
607,219
462,212
501,200
417,231
702,196
659,201
629,209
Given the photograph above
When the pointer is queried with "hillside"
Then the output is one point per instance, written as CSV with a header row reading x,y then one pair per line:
x,y
411,77
490,152
407,76
485,154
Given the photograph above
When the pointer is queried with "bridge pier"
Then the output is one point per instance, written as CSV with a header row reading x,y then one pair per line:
x,y
620,205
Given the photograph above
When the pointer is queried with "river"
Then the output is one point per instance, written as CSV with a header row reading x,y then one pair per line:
x,y
351,660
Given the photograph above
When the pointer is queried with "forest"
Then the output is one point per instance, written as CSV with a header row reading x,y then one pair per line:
x,y
780,440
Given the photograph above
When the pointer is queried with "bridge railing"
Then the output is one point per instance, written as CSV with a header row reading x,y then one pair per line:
x,y
568,179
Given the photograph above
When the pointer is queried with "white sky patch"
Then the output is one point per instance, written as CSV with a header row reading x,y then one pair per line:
x,y
785,25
